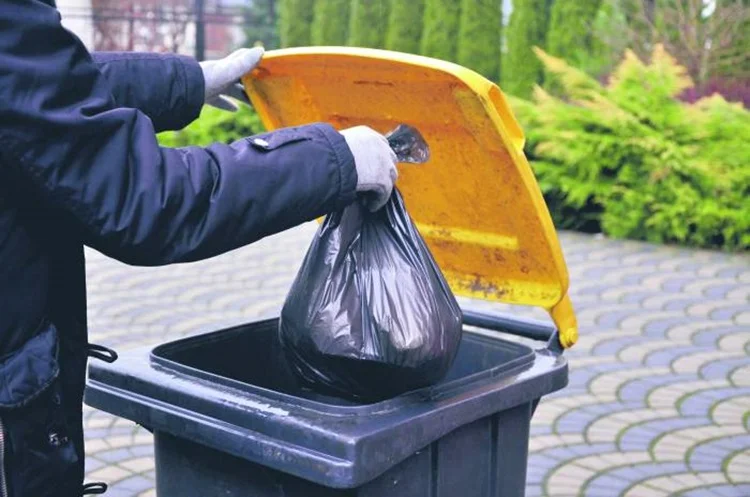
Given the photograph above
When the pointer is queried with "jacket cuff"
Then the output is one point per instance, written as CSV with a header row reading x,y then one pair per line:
x,y
347,170
195,86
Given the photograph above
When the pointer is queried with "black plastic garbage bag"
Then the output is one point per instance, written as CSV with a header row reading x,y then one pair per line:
x,y
370,315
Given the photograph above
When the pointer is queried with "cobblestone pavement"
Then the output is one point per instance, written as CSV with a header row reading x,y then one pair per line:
x,y
659,396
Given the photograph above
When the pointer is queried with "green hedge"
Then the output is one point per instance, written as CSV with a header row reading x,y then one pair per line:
x,y
480,36
295,19
368,23
331,22
527,29
405,26
571,27
631,160
440,29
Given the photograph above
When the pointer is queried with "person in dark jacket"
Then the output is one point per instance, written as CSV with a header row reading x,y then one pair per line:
x,y
80,165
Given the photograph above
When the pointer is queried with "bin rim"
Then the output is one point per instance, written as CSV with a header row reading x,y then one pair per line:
x,y
524,360
328,448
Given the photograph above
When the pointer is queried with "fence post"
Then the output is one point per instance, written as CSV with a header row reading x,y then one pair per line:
x,y
200,32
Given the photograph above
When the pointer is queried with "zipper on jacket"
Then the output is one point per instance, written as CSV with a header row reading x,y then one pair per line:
x,y
3,483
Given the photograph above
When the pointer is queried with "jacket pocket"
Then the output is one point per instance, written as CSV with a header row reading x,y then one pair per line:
x,y
28,372
40,458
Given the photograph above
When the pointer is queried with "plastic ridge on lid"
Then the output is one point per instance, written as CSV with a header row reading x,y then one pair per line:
x,y
476,201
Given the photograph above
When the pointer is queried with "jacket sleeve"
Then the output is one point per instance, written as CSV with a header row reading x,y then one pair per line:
x,y
168,88
63,132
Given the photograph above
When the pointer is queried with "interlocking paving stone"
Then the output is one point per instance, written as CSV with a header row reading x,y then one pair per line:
x,y
703,401
717,453
114,455
658,327
584,417
136,484
661,353
615,480
565,452
727,490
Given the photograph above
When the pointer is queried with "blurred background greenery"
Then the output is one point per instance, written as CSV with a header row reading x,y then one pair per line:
x,y
635,111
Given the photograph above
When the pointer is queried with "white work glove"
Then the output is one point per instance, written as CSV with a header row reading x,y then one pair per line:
x,y
375,163
222,77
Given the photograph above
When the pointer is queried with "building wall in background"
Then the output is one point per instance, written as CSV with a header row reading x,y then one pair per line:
x,y
76,16
155,25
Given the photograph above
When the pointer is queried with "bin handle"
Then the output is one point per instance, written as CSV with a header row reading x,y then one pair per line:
x,y
522,327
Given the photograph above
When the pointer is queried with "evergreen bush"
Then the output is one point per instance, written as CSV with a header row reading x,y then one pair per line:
x,y
630,159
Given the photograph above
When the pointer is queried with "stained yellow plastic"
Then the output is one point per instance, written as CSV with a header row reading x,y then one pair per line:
x,y
476,202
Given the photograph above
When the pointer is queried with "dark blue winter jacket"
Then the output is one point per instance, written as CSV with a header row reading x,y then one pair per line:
x,y
80,165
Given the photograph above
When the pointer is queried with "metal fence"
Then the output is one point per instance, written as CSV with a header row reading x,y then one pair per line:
x,y
203,28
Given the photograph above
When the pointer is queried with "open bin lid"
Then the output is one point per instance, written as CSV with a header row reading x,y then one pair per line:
x,y
476,202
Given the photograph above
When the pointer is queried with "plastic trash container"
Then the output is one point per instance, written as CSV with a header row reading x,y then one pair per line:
x,y
229,419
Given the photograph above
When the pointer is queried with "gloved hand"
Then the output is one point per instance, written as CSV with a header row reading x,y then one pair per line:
x,y
222,77
375,163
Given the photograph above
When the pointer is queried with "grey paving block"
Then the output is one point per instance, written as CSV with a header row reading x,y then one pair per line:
x,y
136,484
615,344
115,455
617,481
700,492
639,389
658,327
570,452
700,403
728,312
731,490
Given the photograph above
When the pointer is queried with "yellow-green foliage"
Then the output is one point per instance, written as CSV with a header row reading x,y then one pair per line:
x,y
214,126
631,160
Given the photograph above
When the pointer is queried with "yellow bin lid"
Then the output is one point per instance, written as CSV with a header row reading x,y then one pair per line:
x,y
476,202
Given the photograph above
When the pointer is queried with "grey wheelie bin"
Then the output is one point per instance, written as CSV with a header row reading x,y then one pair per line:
x,y
228,416
229,419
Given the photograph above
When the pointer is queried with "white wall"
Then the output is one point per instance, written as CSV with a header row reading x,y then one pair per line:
x,y
76,16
